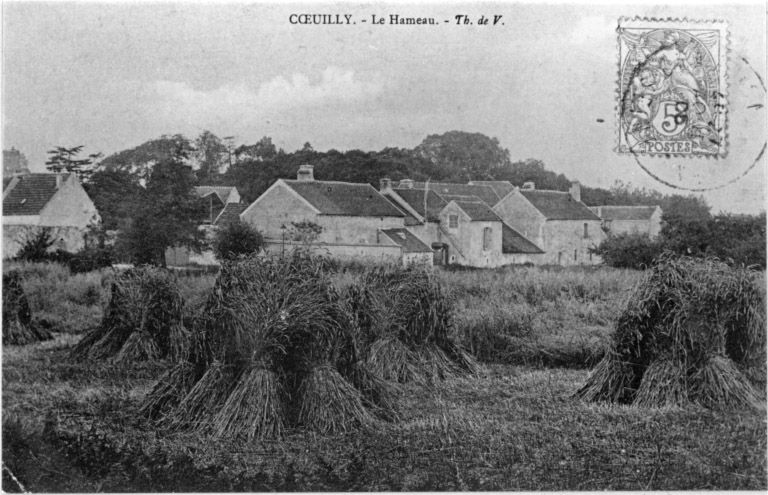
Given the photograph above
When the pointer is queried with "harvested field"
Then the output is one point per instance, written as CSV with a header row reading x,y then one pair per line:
x,y
74,426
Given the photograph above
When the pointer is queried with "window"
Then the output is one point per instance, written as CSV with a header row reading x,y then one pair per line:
x,y
487,238
575,254
586,231
453,221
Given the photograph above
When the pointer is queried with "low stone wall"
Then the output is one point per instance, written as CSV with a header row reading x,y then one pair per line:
x,y
376,253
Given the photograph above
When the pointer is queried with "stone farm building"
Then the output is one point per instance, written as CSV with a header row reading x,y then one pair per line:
x,y
56,201
460,224
556,221
630,219
357,222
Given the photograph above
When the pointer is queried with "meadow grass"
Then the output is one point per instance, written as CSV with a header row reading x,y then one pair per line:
x,y
538,316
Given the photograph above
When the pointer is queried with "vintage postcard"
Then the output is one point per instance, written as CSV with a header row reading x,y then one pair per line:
x,y
383,246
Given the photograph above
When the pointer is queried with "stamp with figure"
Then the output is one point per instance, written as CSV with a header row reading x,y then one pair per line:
x,y
672,87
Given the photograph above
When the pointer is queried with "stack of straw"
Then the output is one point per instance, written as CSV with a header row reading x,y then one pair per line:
x,y
274,349
18,327
405,317
143,321
692,331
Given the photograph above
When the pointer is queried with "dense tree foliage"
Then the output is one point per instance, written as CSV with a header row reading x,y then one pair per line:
x,y
115,193
167,214
236,239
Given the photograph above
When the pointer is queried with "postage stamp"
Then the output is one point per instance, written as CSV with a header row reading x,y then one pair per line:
x,y
672,87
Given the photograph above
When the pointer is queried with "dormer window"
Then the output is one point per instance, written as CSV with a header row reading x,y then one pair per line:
x,y
453,221
23,201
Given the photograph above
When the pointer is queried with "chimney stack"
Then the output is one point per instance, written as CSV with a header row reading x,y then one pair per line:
x,y
59,180
528,186
575,191
406,183
306,173
385,184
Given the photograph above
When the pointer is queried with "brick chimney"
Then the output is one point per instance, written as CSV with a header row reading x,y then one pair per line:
x,y
385,184
528,186
406,183
575,191
306,173
59,180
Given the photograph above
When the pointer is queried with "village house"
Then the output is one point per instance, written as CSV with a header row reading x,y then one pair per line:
x,y
556,221
630,219
216,199
222,207
354,220
57,202
459,224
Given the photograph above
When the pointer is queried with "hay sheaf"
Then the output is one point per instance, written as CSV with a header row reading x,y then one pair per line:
x,y
275,348
18,327
692,331
405,317
143,320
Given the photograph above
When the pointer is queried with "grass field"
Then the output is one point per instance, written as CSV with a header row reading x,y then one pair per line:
x,y
74,426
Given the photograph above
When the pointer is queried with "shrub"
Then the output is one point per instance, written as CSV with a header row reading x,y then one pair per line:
x,y
629,250
237,239
36,245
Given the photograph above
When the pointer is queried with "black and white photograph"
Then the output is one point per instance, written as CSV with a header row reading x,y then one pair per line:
x,y
263,246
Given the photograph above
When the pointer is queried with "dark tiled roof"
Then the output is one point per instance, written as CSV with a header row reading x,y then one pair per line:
x,y
485,193
478,211
409,219
513,242
222,192
501,187
624,212
30,194
556,205
415,199
344,198
230,214
409,242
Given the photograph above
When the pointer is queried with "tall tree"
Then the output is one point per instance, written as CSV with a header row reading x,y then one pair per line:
x,y
210,153
140,160
466,155
116,194
264,149
62,159
168,215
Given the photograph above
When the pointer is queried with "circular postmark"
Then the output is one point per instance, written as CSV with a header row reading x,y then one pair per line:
x,y
673,107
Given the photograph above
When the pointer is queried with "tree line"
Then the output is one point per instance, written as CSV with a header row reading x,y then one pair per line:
x,y
147,188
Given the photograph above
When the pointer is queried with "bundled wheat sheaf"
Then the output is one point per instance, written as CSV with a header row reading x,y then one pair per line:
x,y
693,331
405,318
275,348
18,327
143,320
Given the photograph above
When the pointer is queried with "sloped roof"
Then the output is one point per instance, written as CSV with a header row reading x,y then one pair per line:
x,y
230,214
501,187
30,194
478,211
624,212
409,219
406,240
557,205
415,199
344,198
513,242
485,193
222,192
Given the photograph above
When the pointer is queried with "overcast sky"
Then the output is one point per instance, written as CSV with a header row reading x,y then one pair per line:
x,y
111,76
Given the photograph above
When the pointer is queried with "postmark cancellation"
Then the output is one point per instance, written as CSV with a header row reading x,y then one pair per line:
x,y
672,87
